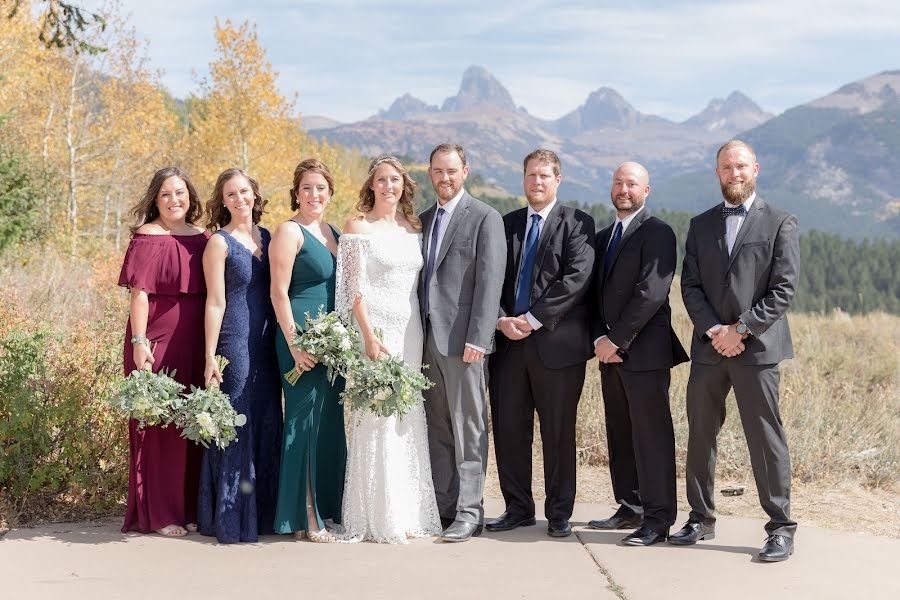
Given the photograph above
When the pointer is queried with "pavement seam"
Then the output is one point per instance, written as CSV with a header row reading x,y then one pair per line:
x,y
614,587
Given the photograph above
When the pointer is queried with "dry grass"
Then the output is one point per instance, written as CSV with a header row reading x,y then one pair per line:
x,y
840,402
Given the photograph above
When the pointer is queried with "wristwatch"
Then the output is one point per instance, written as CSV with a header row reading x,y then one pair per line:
x,y
139,339
742,329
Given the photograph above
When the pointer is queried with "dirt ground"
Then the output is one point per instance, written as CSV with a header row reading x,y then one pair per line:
x,y
847,506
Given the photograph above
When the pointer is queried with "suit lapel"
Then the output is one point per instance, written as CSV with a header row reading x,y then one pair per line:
x,y
626,235
459,214
718,231
753,216
554,220
427,217
518,237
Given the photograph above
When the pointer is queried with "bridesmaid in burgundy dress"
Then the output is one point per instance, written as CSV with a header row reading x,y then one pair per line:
x,y
163,269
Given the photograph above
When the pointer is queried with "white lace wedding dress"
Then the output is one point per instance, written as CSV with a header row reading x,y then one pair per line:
x,y
388,490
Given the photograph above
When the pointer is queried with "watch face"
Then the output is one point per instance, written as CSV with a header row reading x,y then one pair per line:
x,y
741,328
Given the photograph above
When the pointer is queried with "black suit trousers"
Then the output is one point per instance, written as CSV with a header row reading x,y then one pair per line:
x,y
641,442
520,384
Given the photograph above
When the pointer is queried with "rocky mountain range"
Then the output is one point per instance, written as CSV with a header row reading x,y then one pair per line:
x,y
814,155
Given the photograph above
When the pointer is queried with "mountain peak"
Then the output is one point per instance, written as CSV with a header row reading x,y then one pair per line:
x,y
866,95
405,106
603,107
732,115
479,87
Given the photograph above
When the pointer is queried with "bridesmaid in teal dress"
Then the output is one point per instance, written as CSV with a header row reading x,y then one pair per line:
x,y
314,451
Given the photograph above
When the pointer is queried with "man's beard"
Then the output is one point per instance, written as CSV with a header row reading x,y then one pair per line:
x,y
738,193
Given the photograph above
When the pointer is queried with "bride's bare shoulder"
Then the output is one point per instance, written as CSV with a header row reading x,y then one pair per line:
x,y
357,224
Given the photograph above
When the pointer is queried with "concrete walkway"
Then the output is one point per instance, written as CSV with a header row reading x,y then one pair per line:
x,y
80,561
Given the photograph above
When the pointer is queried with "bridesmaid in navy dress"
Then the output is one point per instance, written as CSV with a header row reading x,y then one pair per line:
x,y
239,485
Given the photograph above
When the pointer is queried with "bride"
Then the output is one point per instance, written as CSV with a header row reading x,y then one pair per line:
x,y
388,492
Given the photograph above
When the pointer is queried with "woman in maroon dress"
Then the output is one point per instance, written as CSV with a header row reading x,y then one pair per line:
x,y
163,269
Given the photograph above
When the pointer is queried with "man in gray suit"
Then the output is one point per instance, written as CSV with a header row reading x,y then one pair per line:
x,y
741,266
459,295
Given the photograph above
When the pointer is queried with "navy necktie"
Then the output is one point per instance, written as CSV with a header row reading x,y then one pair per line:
x,y
432,253
738,211
611,250
523,290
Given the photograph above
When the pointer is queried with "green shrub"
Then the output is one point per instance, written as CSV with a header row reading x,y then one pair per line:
x,y
62,452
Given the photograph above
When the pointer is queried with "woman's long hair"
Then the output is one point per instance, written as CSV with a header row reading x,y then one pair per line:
x,y
217,216
367,195
146,209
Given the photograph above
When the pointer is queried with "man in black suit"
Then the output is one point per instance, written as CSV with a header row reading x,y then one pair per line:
x,y
542,347
637,347
741,265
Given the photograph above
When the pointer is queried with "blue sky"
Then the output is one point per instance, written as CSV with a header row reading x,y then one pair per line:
x,y
347,59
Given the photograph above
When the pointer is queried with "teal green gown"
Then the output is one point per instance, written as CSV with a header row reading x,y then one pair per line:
x,y
313,438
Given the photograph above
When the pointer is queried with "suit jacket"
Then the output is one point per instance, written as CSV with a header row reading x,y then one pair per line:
x,y
465,286
754,284
559,284
632,300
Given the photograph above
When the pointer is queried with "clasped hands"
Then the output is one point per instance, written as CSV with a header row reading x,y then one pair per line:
x,y
606,351
515,328
726,340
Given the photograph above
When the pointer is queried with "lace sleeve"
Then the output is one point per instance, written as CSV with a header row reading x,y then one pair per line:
x,y
352,277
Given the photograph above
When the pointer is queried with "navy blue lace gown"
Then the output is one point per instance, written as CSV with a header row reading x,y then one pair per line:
x,y
239,485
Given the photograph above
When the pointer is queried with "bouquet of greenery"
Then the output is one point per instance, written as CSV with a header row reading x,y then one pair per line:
x,y
329,339
386,386
206,415
146,397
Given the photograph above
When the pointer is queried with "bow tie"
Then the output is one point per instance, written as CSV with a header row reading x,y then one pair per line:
x,y
738,211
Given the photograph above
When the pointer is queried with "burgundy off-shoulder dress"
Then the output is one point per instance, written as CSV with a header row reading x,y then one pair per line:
x,y
164,468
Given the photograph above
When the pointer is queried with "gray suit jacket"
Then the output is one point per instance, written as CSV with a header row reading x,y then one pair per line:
x,y
468,276
755,283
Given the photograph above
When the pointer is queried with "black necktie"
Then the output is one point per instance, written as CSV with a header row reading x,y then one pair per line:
x,y
432,252
738,211
611,250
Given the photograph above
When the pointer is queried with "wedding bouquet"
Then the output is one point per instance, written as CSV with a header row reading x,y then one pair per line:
x,y
206,415
386,386
146,397
329,339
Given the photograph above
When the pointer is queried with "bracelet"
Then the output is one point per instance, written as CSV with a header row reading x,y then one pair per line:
x,y
140,338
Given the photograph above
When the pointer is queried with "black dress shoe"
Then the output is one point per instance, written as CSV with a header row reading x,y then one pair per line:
x,y
777,549
645,537
617,522
446,522
460,531
508,521
559,528
690,533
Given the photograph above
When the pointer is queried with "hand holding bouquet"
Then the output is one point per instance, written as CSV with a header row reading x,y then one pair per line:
x,y
386,386
146,397
206,415
330,340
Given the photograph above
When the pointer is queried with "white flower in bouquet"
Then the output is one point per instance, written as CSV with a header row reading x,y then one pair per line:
x,y
386,387
330,340
206,415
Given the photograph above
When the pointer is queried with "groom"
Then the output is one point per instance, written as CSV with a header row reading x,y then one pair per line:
x,y
459,296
